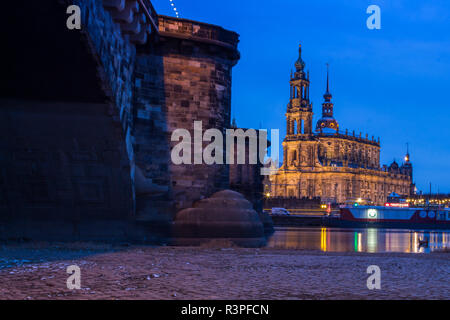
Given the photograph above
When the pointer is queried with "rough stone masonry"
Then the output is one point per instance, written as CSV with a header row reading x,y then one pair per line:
x,y
86,117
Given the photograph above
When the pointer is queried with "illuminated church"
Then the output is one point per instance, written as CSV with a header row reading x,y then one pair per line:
x,y
327,163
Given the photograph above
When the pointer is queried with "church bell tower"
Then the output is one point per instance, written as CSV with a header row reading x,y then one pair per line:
x,y
299,143
299,110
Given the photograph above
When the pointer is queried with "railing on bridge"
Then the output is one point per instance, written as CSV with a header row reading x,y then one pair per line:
x,y
151,14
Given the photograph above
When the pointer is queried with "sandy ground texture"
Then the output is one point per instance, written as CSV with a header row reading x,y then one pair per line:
x,y
135,272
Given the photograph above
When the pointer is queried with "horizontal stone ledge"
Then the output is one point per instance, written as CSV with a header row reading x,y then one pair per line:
x,y
198,39
197,31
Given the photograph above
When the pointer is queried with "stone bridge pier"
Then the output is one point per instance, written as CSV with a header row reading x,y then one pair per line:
x,y
86,118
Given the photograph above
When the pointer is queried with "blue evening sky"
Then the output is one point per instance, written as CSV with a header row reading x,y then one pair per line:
x,y
391,83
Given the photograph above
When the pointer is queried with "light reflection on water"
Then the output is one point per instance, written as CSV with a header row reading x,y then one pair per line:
x,y
360,240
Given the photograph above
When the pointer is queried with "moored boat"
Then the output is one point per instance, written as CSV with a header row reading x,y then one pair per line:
x,y
393,216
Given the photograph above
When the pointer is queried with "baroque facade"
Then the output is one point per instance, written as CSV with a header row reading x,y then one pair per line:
x,y
327,163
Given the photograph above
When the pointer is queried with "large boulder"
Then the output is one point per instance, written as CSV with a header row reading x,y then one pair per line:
x,y
226,215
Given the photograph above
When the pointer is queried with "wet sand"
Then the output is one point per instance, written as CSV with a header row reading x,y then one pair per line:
x,y
217,273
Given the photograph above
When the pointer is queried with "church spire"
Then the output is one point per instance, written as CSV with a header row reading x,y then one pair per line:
x,y
408,169
299,65
233,123
327,121
327,96
407,158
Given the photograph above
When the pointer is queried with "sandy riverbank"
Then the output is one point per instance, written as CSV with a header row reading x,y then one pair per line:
x,y
39,272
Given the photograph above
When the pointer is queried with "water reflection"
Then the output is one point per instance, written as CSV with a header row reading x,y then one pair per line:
x,y
359,240
372,240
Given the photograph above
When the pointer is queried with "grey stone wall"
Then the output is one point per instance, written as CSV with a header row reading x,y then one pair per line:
x,y
85,146
186,77
64,163
116,58
66,153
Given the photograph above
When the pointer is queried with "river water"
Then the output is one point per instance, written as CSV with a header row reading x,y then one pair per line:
x,y
360,240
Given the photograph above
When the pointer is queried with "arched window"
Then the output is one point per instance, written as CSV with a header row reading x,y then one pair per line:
x,y
293,156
